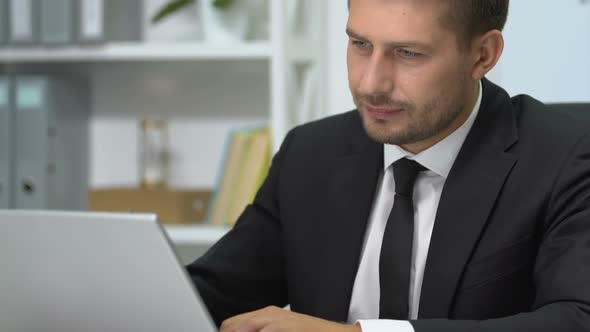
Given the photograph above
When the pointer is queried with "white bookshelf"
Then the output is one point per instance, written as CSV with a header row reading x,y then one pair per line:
x,y
192,241
155,51
195,235
203,89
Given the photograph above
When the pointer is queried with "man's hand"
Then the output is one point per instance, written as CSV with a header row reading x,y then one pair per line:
x,y
274,319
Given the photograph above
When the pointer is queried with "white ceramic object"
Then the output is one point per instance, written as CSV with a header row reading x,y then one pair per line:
x,y
231,24
181,26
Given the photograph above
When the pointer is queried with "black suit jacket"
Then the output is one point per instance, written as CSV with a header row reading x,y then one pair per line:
x,y
510,249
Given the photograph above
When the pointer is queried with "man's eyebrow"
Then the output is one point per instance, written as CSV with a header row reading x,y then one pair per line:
x,y
408,43
354,35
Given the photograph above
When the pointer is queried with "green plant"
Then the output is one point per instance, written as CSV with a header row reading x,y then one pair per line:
x,y
175,5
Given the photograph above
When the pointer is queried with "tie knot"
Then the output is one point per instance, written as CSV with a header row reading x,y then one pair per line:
x,y
405,172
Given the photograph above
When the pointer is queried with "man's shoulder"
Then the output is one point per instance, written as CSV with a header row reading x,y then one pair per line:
x,y
338,124
335,128
535,119
335,134
551,121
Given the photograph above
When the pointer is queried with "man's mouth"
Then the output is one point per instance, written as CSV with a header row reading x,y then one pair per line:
x,y
383,112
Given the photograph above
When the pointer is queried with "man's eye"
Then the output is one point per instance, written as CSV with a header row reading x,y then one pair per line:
x,y
360,44
407,53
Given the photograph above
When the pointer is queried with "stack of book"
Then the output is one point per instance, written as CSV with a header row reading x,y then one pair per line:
x,y
246,164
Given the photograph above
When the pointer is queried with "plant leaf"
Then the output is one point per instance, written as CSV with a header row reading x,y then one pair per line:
x,y
171,8
223,4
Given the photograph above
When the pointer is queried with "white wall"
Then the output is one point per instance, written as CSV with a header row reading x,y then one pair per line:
x,y
547,52
201,101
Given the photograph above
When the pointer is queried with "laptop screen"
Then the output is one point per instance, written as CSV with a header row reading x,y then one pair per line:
x,y
77,271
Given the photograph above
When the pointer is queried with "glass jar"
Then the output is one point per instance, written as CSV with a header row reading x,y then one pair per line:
x,y
153,154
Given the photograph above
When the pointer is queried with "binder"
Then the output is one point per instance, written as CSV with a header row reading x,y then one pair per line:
x,y
3,21
31,137
6,189
23,20
124,20
51,157
56,22
89,21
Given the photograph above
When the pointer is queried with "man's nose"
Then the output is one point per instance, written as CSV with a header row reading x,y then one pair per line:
x,y
377,78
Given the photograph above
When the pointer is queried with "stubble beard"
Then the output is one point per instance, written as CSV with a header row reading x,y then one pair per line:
x,y
421,122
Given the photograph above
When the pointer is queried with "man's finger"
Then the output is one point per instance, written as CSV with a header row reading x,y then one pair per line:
x,y
248,322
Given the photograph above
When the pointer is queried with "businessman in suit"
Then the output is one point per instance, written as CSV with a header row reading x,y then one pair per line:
x,y
441,204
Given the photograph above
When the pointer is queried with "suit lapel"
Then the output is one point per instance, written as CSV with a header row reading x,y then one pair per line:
x,y
468,197
352,187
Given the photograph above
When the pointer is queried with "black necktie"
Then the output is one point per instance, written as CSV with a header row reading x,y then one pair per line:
x,y
396,249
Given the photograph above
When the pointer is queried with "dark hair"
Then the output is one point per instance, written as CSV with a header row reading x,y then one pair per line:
x,y
470,18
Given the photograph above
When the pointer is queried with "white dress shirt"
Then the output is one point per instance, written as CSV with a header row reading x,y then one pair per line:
x,y
438,160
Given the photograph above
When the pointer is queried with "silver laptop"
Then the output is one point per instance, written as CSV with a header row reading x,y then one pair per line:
x,y
77,271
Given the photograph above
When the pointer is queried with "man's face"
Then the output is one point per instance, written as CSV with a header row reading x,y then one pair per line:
x,y
409,79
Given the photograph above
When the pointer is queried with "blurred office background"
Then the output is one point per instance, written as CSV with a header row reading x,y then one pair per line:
x,y
86,86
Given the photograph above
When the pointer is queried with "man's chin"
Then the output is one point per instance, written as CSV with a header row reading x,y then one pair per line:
x,y
377,130
383,134
379,135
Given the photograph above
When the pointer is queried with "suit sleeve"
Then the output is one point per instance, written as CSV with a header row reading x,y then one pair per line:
x,y
244,271
562,265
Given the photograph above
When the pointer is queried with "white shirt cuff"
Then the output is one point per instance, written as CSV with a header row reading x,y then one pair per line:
x,y
385,325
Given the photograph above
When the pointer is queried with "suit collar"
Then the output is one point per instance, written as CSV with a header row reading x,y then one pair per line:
x,y
482,160
440,157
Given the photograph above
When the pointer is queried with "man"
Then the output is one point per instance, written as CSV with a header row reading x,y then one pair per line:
x,y
493,233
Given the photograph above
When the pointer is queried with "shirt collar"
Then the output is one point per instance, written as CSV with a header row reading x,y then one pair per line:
x,y
440,157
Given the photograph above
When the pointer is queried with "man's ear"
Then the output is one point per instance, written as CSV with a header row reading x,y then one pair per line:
x,y
486,51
